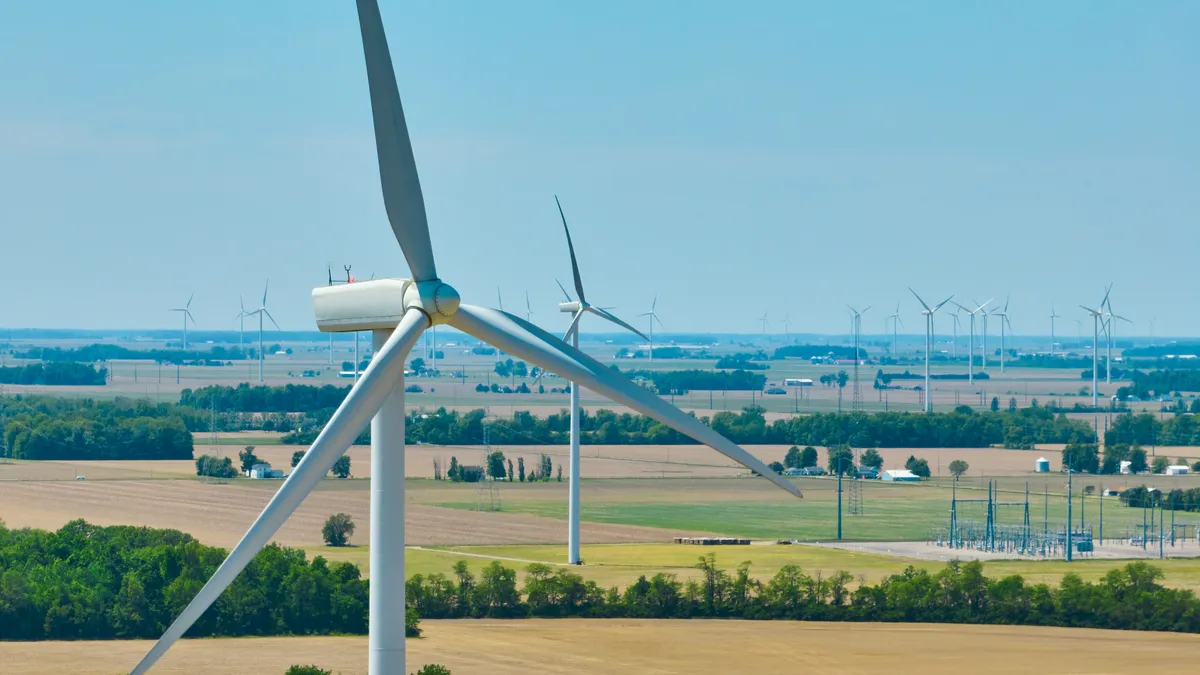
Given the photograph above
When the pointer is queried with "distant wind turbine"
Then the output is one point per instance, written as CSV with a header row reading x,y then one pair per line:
x,y
787,327
954,325
895,319
856,326
765,324
1097,316
971,345
528,308
1111,331
262,311
1003,314
653,317
187,315
577,308
1053,315
928,312
241,319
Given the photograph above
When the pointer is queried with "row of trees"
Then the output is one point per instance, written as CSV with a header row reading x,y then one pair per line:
x,y
962,428
110,352
54,374
1175,500
1161,382
679,382
1148,429
1129,598
50,428
86,582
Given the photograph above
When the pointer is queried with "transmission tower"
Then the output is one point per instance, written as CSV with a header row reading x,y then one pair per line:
x,y
854,495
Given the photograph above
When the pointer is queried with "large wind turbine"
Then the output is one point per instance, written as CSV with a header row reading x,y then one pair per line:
x,y
653,317
856,328
971,345
1003,314
1053,315
1097,316
577,308
397,311
261,311
928,407
185,311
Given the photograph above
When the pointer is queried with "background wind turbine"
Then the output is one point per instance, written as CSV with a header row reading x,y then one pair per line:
x,y
1111,331
928,312
241,319
895,319
262,311
653,317
856,327
397,311
1003,314
765,325
971,345
577,308
528,308
1097,317
187,314
983,351
787,327
1053,315
954,326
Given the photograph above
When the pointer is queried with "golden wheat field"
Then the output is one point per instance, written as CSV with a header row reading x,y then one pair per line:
x,y
603,647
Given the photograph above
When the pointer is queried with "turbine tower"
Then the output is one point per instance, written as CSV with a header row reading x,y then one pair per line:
x,y
928,407
261,311
856,328
185,311
983,352
577,308
1053,315
1003,314
653,317
971,345
397,311
1097,317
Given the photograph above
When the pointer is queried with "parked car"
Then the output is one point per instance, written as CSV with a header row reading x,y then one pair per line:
x,y
776,391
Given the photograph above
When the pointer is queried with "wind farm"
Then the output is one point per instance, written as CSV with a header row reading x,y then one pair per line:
x,y
395,477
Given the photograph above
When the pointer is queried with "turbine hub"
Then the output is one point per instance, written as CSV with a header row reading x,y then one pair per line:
x,y
570,307
439,301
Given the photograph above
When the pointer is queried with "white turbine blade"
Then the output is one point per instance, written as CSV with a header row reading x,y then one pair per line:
x,y
1107,291
989,301
918,299
1090,310
347,422
941,304
528,308
655,303
188,315
866,309
655,317
189,302
599,311
266,287
265,311
565,293
546,351
402,196
574,324
499,300
571,248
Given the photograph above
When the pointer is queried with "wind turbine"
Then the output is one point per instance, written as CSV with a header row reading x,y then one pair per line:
x,y
577,308
787,327
1111,332
928,407
765,325
186,315
971,345
653,317
397,311
1003,314
856,326
954,325
528,309
1097,316
241,319
261,311
895,318
1053,315
983,352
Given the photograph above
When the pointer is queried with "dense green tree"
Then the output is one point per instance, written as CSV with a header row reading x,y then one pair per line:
x,y
777,467
1137,460
842,379
433,669
792,459
871,458
1160,464
841,459
338,529
307,670
521,468
341,467
248,459
958,467
808,456
297,456
995,406
213,467
495,465
1081,457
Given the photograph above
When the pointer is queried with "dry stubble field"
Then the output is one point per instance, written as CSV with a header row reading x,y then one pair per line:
x,y
603,647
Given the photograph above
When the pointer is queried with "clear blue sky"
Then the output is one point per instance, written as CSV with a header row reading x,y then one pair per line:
x,y
735,158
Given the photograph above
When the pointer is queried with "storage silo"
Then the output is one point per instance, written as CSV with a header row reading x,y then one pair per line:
x,y
1042,465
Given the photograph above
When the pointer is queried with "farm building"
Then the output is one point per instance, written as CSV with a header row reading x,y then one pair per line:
x,y
1042,465
901,476
1177,470
264,470
1114,491
1125,464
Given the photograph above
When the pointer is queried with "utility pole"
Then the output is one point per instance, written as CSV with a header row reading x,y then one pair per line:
x,y
1070,496
841,459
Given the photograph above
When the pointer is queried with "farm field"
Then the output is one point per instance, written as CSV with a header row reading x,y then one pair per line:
x,y
604,647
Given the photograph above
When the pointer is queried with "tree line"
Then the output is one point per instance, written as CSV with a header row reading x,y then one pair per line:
x,y
1148,429
38,427
680,382
109,352
1129,598
962,428
1175,500
1161,382
809,351
54,374
86,582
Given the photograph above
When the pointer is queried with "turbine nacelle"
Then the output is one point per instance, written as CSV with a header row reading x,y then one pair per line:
x,y
381,303
570,307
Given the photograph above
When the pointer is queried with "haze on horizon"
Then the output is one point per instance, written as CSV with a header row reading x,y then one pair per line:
x,y
786,157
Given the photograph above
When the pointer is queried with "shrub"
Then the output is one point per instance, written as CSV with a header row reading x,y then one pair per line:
x,y
338,529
